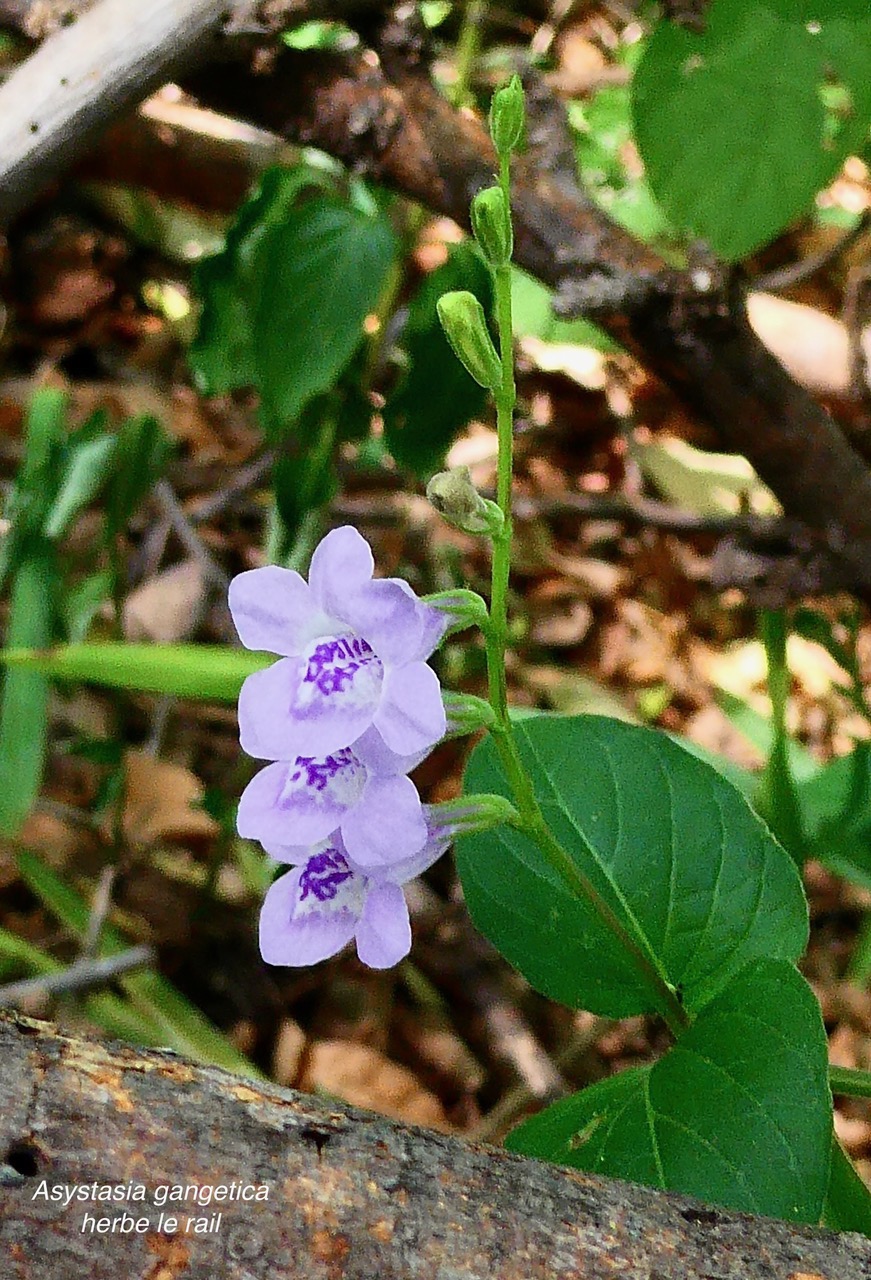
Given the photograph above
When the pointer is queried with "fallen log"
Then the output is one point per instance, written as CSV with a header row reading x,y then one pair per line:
x,y
118,1163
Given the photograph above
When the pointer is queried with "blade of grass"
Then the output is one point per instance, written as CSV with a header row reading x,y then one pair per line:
x,y
184,671
778,800
105,1010
24,699
181,1024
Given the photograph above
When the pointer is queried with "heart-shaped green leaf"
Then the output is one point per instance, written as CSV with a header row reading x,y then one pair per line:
x,y
737,1113
741,125
693,876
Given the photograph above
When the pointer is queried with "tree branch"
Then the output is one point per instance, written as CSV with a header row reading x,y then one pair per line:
x,y
84,76
349,1194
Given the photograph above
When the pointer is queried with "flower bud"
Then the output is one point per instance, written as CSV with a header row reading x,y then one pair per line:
x,y
462,318
454,496
491,223
464,608
466,713
508,116
473,813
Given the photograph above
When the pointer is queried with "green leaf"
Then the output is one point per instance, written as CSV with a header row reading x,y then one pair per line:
x,y
181,1024
740,126
746,781
836,816
319,35
180,670
24,698
603,127
87,469
848,1200
533,317
737,1113
694,877
435,397
304,476
143,450
222,356
321,273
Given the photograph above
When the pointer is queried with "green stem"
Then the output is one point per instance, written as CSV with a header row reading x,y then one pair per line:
x,y
468,49
532,821
506,398
778,797
845,1080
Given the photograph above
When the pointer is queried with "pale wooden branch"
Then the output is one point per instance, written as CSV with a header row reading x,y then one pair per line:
x,y
85,75
351,1196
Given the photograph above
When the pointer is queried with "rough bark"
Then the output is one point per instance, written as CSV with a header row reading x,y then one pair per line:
x,y
351,1196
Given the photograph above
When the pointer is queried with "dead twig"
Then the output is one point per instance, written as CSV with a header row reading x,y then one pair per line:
x,y
83,975
784,278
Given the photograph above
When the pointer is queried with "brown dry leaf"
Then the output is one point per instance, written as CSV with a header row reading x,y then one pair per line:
x,y
711,728
74,294
641,644
57,841
168,607
563,627
287,1055
582,64
365,1078
160,800
813,346
584,366
442,1049
742,669
854,1134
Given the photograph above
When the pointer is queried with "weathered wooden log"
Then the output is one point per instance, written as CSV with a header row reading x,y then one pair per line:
x,y
281,1186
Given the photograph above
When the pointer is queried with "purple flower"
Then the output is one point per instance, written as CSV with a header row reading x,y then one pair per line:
x,y
353,656
361,791
315,910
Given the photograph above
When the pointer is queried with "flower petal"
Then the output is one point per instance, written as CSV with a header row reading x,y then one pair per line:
x,y
265,700
312,912
294,854
337,696
438,842
373,751
411,716
341,563
386,615
302,802
386,825
274,609
384,932
432,624
312,705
